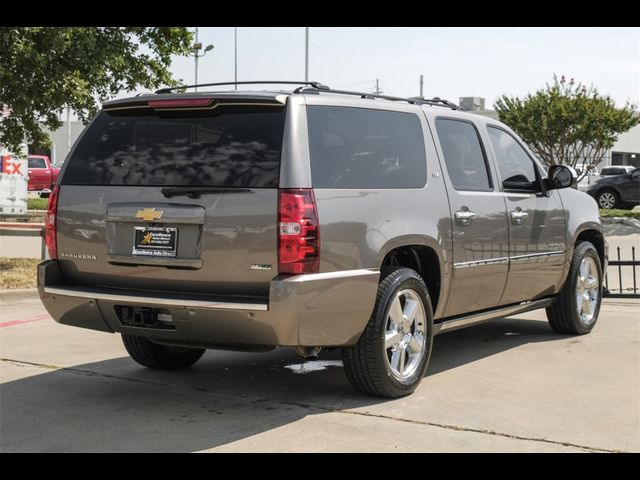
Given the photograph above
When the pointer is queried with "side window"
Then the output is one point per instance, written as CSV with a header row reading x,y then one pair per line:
x,y
516,167
359,148
36,162
463,155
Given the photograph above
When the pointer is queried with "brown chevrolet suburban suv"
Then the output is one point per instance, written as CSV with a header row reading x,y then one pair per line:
x,y
312,218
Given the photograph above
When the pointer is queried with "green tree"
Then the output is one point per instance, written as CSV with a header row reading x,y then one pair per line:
x,y
567,123
45,69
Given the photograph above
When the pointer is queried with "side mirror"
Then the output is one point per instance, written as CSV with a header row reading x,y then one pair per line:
x,y
561,176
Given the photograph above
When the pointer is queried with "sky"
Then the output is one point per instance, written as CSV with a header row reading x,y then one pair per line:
x,y
455,61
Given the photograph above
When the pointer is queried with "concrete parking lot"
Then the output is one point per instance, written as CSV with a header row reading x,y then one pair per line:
x,y
509,385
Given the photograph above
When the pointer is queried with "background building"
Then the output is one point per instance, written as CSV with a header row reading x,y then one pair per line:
x,y
61,141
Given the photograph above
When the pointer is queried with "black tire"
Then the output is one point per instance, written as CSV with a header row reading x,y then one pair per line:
x,y
563,313
160,357
367,363
603,195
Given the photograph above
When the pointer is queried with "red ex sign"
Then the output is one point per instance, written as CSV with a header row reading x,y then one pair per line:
x,y
9,166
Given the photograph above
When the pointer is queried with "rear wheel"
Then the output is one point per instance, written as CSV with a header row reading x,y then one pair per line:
x,y
393,352
575,311
160,357
608,199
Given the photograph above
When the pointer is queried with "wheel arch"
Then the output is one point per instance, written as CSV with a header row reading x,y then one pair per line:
x,y
425,256
590,232
595,237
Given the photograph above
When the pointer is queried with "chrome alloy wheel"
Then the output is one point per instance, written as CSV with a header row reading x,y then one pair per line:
x,y
587,291
405,337
607,200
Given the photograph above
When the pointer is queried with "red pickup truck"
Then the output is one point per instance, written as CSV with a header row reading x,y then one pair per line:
x,y
42,175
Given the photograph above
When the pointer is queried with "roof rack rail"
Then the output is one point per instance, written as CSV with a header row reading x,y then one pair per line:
x,y
315,85
435,101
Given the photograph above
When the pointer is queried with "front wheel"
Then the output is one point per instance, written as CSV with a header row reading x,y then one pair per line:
x,y
608,199
160,357
575,311
393,352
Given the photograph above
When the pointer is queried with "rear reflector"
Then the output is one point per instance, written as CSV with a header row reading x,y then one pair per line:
x,y
298,232
180,103
50,237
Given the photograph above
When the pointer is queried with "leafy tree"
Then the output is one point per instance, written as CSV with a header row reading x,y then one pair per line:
x,y
567,123
45,69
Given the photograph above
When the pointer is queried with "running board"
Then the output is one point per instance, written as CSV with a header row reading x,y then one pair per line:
x,y
468,320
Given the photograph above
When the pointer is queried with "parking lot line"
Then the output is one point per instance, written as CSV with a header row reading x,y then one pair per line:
x,y
11,323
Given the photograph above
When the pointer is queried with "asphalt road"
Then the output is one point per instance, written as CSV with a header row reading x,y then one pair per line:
x,y
509,385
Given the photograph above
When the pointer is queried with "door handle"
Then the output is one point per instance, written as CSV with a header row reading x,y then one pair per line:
x,y
518,216
464,216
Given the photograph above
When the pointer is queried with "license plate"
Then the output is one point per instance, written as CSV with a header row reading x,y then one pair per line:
x,y
155,241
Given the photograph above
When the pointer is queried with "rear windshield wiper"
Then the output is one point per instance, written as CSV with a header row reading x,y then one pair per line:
x,y
195,192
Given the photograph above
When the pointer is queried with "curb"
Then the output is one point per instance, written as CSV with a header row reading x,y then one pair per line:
x,y
632,222
18,294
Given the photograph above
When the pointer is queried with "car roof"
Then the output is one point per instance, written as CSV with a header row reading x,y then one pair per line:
x,y
327,97
317,96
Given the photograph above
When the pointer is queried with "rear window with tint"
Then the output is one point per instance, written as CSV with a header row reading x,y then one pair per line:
x,y
361,148
227,147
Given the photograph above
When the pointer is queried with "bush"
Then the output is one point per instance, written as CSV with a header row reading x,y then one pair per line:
x,y
613,212
37,203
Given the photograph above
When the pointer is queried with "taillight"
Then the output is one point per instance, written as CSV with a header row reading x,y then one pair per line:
x,y
298,232
50,239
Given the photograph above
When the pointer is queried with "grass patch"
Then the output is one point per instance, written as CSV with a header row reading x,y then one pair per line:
x,y
614,212
37,203
18,272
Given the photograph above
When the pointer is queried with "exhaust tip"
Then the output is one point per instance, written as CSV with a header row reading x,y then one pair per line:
x,y
308,353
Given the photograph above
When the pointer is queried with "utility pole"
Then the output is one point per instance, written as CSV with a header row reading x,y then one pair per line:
x,y
235,40
306,54
421,83
377,90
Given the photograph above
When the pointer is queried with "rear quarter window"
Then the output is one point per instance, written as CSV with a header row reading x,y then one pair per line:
x,y
227,147
357,148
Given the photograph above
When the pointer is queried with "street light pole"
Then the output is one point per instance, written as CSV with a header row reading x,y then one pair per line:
x,y
306,54
197,46
235,55
195,49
